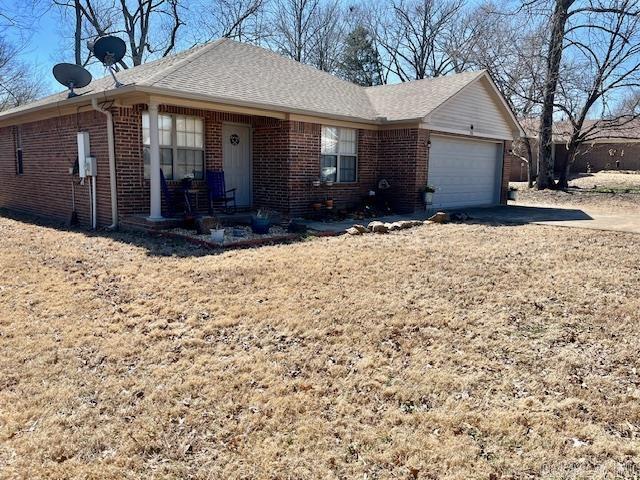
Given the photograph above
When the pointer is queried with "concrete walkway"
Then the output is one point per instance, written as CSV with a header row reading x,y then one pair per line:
x,y
514,214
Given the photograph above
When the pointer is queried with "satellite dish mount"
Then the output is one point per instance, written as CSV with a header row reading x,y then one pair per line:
x,y
110,50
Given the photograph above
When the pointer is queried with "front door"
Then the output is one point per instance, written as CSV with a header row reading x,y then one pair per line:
x,y
236,153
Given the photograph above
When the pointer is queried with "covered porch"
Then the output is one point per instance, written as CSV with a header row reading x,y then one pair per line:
x,y
161,142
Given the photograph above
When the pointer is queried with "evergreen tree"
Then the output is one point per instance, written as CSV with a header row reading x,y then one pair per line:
x,y
360,60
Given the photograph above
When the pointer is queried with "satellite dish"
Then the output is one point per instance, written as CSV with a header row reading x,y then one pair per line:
x,y
71,76
110,50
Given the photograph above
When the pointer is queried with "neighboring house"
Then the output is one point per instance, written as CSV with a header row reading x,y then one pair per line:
x,y
610,149
274,125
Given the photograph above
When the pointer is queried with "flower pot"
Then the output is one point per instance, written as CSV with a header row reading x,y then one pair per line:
x,y
329,183
217,235
316,206
512,195
427,198
316,183
260,225
328,203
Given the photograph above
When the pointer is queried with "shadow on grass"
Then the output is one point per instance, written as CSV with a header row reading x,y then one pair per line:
x,y
155,244
522,215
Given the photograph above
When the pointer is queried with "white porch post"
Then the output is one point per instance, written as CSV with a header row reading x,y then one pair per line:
x,y
154,163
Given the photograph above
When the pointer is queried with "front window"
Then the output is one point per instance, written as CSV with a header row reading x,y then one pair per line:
x,y
339,159
181,146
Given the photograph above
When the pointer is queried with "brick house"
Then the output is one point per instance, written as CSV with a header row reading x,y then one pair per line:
x,y
273,125
606,149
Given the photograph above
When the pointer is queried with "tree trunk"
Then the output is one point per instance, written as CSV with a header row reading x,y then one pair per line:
x,y
565,168
556,43
530,173
77,40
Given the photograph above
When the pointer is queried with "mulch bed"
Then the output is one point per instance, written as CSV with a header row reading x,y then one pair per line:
x,y
247,239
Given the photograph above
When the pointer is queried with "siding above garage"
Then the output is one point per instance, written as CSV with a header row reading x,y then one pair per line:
x,y
477,104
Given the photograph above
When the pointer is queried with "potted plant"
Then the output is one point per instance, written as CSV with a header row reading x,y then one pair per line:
x,y
328,203
427,194
261,222
513,193
217,234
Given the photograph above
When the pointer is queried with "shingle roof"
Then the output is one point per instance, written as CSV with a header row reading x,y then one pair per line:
x,y
418,98
239,73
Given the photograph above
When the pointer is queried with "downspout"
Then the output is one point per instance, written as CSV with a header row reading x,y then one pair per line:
x,y
112,162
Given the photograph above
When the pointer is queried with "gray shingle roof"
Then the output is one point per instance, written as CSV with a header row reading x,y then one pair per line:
x,y
418,98
239,73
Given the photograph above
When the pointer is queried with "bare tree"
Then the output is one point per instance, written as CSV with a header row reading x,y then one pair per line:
x,y
295,27
571,23
18,83
242,20
411,35
327,42
149,27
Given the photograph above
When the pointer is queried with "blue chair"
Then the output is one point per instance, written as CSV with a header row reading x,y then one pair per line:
x,y
218,192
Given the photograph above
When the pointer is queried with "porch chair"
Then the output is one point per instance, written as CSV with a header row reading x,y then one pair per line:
x,y
218,192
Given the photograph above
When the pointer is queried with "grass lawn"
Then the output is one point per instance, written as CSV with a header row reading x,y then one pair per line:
x,y
605,191
446,351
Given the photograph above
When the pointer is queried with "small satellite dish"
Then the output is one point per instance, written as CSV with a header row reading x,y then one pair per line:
x,y
71,76
110,50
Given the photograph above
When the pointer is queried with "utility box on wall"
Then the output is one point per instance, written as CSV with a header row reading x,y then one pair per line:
x,y
84,151
90,166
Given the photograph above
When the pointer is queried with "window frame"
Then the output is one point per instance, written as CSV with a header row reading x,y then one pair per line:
x,y
174,144
339,154
19,151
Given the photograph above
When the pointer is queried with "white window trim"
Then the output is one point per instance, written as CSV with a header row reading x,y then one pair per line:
x,y
339,155
174,144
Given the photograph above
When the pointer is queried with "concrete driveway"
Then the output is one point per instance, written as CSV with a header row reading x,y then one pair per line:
x,y
559,217
513,214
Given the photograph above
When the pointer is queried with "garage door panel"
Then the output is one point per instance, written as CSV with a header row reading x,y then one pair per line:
x,y
464,172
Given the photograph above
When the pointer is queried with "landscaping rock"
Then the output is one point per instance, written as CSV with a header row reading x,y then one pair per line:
x,y
205,224
361,228
440,217
378,227
395,226
354,231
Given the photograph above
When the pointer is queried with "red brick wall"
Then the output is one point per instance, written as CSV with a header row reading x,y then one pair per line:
x,y
49,149
286,160
402,161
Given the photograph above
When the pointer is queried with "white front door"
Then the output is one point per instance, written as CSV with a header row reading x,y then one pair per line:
x,y
464,172
236,154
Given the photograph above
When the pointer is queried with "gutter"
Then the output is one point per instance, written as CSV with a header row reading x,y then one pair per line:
x,y
112,162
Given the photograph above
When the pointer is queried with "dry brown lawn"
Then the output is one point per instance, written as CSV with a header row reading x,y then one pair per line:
x,y
589,191
448,352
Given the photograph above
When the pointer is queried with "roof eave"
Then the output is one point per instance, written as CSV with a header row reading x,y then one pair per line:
x,y
80,100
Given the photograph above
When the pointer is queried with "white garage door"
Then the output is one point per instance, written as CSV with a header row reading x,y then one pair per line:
x,y
464,172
